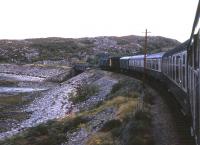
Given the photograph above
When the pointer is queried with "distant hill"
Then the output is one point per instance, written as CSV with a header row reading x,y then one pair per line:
x,y
70,50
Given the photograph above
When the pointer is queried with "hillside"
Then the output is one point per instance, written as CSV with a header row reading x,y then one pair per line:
x,y
69,51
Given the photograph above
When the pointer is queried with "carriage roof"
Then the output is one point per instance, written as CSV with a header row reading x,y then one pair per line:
x,y
155,55
137,56
182,47
125,57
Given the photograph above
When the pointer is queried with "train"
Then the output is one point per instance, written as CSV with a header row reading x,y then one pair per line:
x,y
178,68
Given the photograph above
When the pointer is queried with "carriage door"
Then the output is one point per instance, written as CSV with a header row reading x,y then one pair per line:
x,y
198,86
180,70
197,79
193,70
184,78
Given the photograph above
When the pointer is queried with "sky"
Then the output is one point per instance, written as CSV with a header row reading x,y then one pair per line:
x,y
20,19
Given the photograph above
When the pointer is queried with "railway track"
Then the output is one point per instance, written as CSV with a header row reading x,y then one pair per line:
x,y
180,121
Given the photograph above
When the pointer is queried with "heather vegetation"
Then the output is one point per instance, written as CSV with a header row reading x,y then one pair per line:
x,y
78,50
131,126
51,133
84,91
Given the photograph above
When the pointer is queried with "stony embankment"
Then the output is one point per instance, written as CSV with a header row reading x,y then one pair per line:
x,y
54,103
111,118
95,107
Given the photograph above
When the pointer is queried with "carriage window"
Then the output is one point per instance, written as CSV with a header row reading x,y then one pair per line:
x,y
173,68
150,61
184,76
196,57
142,63
183,58
156,61
168,65
164,65
147,63
168,61
139,63
177,69
184,71
153,62
190,57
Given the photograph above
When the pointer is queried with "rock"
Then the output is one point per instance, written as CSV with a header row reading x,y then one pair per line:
x,y
105,84
80,136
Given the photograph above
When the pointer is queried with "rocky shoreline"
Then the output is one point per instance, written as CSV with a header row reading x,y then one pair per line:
x,y
54,103
19,86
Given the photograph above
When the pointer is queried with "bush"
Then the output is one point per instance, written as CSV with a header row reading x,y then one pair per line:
x,y
101,139
128,88
72,124
85,91
136,130
141,140
131,94
141,115
50,133
149,99
111,125
117,87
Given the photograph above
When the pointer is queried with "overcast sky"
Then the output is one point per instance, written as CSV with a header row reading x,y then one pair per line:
x,y
21,19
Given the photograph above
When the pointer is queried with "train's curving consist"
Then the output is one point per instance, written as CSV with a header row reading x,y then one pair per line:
x,y
178,68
